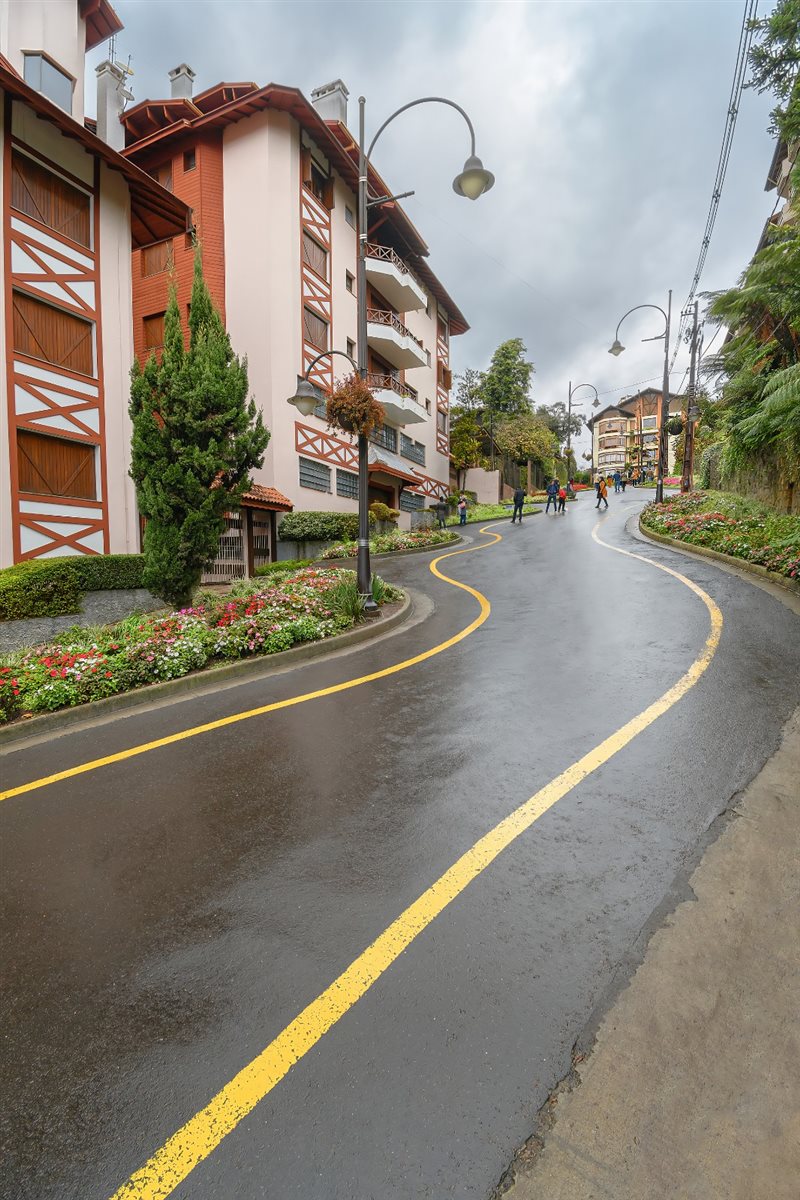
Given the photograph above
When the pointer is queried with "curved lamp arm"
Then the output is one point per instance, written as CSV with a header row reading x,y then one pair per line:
x,y
591,385
330,354
634,309
413,104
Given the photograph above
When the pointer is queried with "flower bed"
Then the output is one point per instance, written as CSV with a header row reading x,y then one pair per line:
x,y
258,617
388,543
490,512
730,525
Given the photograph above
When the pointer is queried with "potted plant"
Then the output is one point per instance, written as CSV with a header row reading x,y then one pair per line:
x,y
352,408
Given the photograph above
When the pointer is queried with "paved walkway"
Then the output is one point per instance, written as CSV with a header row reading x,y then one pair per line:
x,y
692,1091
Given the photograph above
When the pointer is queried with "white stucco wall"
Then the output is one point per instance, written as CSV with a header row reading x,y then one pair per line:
x,y
117,336
6,543
52,27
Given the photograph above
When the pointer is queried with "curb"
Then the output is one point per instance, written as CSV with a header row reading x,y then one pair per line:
x,y
740,563
247,669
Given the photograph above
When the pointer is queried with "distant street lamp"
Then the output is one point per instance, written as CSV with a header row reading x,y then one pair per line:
x,y
616,349
571,392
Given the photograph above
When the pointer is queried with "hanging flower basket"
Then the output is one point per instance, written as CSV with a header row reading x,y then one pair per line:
x,y
352,408
675,426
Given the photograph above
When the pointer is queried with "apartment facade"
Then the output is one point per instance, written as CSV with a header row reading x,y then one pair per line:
x,y
271,178
72,207
625,436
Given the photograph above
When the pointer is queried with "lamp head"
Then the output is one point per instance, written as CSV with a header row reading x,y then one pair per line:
x,y
596,402
617,348
305,398
474,180
693,413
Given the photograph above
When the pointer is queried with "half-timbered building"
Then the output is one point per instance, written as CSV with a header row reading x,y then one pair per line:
x,y
72,207
271,178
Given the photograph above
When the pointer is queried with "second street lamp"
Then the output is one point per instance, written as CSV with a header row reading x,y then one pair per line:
x,y
617,348
570,393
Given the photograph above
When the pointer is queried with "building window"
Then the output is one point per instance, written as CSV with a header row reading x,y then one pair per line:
x,y
428,357
347,484
315,330
442,331
45,77
58,337
413,450
157,258
153,331
54,466
349,216
428,407
315,475
649,422
411,501
163,175
386,436
441,422
49,199
351,347
189,160
349,282
315,256
315,179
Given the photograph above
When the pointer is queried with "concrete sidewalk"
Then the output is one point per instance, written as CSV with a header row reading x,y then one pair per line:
x,y
692,1089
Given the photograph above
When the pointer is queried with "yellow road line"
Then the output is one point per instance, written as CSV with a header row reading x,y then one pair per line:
x,y
132,751
201,1135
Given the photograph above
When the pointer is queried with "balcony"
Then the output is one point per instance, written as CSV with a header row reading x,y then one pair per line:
x,y
399,401
388,336
387,272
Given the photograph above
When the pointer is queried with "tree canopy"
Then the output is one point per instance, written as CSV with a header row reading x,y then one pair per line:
x,y
505,388
525,437
196,436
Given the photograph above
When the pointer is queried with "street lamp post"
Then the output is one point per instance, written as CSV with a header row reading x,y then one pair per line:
x,y
472,182
617,348
692,411
570,393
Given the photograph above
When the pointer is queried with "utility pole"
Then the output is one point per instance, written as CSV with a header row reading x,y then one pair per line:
x,y
691,411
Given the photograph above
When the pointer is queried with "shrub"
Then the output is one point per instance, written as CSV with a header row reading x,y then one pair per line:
x,y
39,588
52,587
318,526
382,512
344,599
279,568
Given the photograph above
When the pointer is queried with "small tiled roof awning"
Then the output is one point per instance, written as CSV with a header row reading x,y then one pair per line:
x,y
389,464
267,497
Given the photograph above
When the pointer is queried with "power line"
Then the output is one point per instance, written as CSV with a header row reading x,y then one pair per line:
x,y
737,86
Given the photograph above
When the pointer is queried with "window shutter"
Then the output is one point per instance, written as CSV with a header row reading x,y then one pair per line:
x,y
327,193
51,466
447,378
42,331
47,198
305,165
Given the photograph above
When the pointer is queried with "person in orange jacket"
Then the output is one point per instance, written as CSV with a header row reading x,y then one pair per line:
x,y
601,488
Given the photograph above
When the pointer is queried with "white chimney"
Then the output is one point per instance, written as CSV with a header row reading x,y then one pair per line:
x,y
181,79
112,96
330,101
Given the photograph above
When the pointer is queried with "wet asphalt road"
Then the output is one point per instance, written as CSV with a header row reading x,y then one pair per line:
x,y
163,918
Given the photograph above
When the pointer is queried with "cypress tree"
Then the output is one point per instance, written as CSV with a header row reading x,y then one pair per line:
x,y
196,436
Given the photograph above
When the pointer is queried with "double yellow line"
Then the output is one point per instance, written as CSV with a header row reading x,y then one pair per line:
x,y
202,1133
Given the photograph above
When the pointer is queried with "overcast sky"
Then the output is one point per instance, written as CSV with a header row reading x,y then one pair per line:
x,y
602,122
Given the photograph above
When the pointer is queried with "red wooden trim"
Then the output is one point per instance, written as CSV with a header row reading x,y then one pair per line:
x,y
41,498
44,365
98,365
55,167
9,364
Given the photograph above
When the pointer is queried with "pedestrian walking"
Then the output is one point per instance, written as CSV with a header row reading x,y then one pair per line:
x,y
602,492
519,500
623,483
552,496
562,500
441,508
462,509
617,481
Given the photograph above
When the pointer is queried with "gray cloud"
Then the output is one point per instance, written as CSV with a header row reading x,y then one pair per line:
x,y
601,120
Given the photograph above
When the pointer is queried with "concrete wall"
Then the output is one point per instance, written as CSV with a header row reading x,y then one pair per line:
x,y
487,485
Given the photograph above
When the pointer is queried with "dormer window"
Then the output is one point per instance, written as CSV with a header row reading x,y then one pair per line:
x,y
44,76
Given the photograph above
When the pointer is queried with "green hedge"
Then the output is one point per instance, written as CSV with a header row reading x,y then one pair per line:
x,y
282,568
52,587
320,527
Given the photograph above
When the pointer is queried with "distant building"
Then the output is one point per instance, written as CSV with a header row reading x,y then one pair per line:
x,y
271,178
72,208
626,435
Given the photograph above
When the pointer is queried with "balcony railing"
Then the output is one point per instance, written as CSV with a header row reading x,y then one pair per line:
x,y
386,254
379,316
388,383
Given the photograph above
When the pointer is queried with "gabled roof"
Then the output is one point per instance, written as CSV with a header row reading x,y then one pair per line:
x,y
267,497
101,21
155,213
153,121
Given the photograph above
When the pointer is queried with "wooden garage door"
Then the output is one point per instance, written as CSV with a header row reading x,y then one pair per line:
x,y
53,466
42,331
